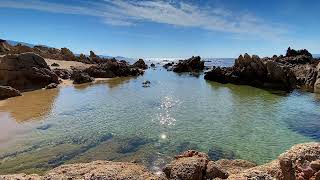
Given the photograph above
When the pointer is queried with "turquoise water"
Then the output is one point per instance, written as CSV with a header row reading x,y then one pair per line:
x,y
122,121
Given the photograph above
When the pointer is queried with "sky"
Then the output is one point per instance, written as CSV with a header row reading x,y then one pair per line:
x,y
165,28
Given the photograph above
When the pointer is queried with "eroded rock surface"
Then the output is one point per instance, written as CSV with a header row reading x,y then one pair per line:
x,y
295,70
26,71
8,92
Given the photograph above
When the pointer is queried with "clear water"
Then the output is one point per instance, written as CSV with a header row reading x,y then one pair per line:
x,y
120,120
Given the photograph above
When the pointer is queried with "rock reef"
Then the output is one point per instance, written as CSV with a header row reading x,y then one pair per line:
x,y
301,162
189,65
298,69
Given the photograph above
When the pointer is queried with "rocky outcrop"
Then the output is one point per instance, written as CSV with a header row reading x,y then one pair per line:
x,y
26,71
112,68
140,64
296,70
317,82
301,162
80,77
189,65
102,170
190,165
51,86
8,92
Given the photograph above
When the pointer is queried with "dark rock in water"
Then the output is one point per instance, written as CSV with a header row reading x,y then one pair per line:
x,y
153,65
132,145
184,146
140,64
51,86
255,72
55,65
26,71
81,77
62,73
146,82
8,92
189,65
216,153
112,68
167,65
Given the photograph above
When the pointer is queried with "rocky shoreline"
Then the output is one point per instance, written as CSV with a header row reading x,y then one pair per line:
x,y
301,162
297,69
23,68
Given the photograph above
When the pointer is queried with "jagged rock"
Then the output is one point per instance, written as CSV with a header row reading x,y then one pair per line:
x,y
190,165
214,170
279,76
26,71
8,92
140,64
81,77
62,73
112,68
317,83
102,170
292,52
51,86
189,65
67,54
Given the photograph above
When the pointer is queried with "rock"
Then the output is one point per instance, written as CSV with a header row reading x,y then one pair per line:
x,y
234,166
190,165
153,65
112,68
189,65
8,92
62,73
4,47
317,83
102,170
26,71
255,72
146,82
292,52
20,177
55,64
81,77
51,86
215,171
279,76
67,54
140,64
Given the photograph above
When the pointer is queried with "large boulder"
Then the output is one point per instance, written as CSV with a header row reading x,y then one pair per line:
x,y
62,73
102,170
292,52
190,165
26,71
140,64
8,92
80,77
189,65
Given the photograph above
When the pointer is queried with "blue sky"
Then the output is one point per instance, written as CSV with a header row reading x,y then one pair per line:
x,y
171,28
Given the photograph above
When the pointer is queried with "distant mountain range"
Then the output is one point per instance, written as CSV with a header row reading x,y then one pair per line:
x,y
14,43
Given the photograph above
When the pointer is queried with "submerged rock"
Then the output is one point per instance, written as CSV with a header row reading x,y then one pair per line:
x,y
8,92
26,71
189,65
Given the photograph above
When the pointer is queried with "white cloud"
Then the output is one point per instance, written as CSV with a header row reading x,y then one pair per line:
x,y
127,13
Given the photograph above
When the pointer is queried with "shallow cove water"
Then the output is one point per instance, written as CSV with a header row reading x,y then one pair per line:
x,y
120,120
